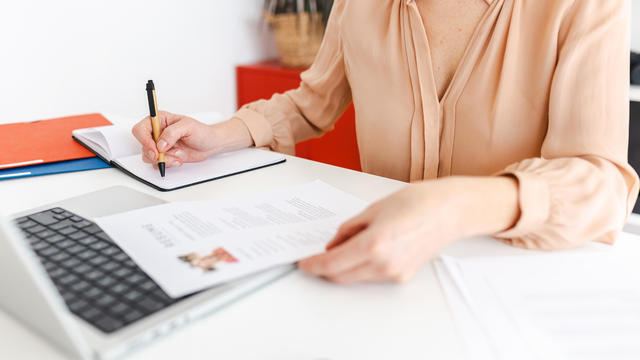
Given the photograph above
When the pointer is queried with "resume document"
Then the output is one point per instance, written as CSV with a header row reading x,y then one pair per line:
x,y
190,246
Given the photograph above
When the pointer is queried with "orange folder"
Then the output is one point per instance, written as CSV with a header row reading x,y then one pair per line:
x,y
45,141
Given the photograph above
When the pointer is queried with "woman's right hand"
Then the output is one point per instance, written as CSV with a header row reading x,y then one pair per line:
x,y
184,139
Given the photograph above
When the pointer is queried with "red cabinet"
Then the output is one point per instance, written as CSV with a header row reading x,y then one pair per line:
x,y
338,147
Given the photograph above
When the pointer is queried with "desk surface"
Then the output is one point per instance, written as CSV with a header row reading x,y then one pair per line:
x,y
298,317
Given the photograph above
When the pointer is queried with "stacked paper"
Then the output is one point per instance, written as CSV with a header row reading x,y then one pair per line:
x,y
566,305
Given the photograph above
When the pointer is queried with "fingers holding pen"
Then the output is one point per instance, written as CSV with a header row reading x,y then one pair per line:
x,y
171,160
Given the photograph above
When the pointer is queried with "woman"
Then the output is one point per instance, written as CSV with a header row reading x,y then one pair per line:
x,y
508,117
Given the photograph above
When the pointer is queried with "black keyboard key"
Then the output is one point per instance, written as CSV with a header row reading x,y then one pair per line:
x,y
81,224
80,286
99,245
90,313
78,235
94,275
55,239
59,257
61,225
57,210
111,251
68,296
77,305
105,282
40,245
162,297
95,261
87,254
65,244
133,316
147,285
92,229
122,272
105,300
22,220
44,218
60,216
134,279
103,236
82,269
87,240
108,324
36,229
27,224
68,279
92,293
121,256
68,230
75,249
119,289
110,266
120,308
32,239
49,266
76,218
46,234
133,295
48,251
149,305
71,263
57,273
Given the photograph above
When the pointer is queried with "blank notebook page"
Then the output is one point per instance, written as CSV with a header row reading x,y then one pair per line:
x,y
217,166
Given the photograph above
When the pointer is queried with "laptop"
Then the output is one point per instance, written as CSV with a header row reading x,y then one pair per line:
x,y
65,279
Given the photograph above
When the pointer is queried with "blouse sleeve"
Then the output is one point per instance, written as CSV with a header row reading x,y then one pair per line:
x,y
582,187
311,109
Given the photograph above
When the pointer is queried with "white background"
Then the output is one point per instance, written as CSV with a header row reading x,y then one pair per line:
x,y
635,25
64,57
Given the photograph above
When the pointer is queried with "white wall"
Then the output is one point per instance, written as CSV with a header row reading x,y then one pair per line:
x,y
635,25
66,57
61,57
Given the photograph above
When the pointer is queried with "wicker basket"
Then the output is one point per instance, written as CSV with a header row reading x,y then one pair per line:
x,y
298,37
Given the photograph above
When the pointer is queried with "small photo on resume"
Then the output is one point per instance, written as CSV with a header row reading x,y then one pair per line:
x,y
208,261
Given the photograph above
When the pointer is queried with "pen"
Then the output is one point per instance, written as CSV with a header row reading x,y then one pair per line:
x,y
155,123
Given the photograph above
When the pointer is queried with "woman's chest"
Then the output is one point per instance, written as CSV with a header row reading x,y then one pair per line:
x,y
449,27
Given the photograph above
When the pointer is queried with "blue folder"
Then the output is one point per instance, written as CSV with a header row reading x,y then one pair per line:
x,y
53,168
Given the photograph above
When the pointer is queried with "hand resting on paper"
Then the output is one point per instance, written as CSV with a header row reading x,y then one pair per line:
x,y
389,241
185,139
393,238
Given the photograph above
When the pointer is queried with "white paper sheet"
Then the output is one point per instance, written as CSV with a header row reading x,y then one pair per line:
x,y
190,173
190,246
552,306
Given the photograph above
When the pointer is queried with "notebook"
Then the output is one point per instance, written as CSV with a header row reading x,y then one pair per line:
x,y
44,141
116,146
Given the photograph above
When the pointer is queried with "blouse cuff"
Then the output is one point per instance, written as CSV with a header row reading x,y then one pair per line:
x,y
534,201
259,127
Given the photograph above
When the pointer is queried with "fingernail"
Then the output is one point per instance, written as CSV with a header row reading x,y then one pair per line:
x,y
175,163
151,155
161,145
179,154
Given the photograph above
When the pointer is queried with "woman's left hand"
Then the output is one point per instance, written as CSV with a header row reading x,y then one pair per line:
x,y
394,237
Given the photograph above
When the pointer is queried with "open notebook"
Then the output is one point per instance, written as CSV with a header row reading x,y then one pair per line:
x,y
115,145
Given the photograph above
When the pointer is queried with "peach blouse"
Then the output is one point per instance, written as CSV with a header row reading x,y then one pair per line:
x,y
540,93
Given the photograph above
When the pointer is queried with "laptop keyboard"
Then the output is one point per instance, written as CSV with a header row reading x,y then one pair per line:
x,y
97,279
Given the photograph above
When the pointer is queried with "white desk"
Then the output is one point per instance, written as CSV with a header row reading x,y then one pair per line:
x,y
298,317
